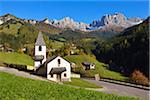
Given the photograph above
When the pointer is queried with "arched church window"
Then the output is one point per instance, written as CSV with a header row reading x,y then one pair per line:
x,y
40,48
58,61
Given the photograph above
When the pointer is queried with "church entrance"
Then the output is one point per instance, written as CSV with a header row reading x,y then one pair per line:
x,y
57,71
59,77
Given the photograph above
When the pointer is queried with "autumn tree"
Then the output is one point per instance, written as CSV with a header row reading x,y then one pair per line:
x,y
139,78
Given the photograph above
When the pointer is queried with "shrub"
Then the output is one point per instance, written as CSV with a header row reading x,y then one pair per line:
x,y
139,78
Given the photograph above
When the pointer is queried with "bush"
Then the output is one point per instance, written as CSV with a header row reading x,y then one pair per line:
x,y
79,70
139,78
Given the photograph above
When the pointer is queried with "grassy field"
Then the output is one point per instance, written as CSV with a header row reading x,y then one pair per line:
x,y
100,67
16,58
10,28
81,83
56,44
19,88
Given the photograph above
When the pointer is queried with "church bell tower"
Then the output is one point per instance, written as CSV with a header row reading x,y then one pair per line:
x,y
40,51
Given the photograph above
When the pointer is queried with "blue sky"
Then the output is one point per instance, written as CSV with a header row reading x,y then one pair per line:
x,y
83,11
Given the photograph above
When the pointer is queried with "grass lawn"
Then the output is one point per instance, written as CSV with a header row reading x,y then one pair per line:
x,y
81,83
16,58
13,28
56,44
100,67
19,88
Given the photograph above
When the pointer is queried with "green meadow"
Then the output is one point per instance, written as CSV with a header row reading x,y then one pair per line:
x,y
16,58
18,88
101,68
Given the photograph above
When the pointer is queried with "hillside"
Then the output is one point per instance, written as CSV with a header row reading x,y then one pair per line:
x,y
101,68
129,50
16,58
21,88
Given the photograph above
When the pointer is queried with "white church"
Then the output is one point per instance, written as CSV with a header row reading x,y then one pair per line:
x,y
55,68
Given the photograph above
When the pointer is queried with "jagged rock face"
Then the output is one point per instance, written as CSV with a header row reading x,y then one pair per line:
x,y
67,22
1,22
46,21
135,21
31,21
115,19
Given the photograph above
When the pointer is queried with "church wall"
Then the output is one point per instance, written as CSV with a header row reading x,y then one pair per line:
x,y
64,63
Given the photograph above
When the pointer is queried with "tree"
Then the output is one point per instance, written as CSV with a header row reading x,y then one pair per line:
x,y
139,78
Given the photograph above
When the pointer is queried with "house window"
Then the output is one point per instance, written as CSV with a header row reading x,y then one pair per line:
x,y
40,48
51,75
58,61
65,75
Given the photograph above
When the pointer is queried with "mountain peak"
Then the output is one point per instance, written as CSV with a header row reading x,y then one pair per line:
x,y
46,20
8,15
67,22
117,19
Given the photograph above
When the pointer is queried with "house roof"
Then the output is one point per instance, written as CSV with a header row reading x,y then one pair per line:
x,y
87,63
40,41
56,70
50,59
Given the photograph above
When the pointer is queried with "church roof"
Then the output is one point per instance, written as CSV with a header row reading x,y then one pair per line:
x,y
50,59
40,41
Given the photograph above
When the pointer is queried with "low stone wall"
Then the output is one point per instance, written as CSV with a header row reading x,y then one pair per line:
x,y
74,75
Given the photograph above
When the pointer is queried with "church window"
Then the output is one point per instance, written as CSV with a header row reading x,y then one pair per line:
x,y
65,75
40,48
58,61
51,75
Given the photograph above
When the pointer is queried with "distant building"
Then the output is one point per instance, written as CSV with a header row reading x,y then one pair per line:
x,y
88,65
5,48
55,68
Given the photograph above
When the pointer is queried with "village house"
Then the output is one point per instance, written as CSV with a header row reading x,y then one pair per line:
x,y
88,65
4,48
54,68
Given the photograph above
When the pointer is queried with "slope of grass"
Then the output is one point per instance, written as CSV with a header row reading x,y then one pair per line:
x,y
10,28
100,67
56,44
81,83
18,88
16,58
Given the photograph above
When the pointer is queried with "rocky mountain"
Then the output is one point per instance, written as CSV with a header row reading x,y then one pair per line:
x,y
9,17
67,22
116,19
115,22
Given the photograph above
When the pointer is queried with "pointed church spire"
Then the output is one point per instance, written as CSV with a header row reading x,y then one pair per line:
x,y
40,41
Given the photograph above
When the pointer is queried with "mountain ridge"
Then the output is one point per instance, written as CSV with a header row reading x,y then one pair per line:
x,y
107,22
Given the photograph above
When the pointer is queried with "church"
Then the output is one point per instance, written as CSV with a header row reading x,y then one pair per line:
x,y
54,68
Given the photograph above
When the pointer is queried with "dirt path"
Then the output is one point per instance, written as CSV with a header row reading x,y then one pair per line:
x,y
121,89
